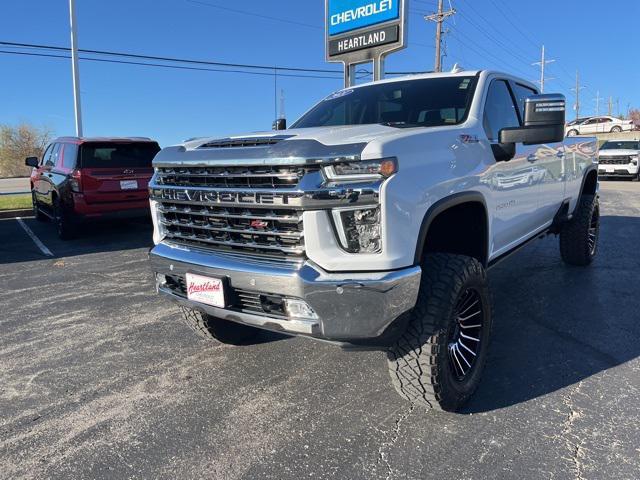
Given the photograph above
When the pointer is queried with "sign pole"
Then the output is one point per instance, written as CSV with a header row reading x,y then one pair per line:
x,y
75,71
364,31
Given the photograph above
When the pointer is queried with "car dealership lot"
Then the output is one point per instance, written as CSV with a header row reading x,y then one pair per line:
x,y
100,379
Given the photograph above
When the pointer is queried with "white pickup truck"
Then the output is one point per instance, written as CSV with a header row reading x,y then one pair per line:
x,y
371,222
619,158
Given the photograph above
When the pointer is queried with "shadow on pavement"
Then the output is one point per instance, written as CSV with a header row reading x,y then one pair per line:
x,y
556,325
93,237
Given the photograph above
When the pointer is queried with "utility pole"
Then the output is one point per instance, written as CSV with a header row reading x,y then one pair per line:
x,y
75,71
439,19
597,100
577,89
543,62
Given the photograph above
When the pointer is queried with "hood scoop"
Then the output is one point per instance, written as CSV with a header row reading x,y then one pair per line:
x,y
245,142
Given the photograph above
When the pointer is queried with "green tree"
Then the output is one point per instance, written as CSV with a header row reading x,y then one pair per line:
x,y
19,142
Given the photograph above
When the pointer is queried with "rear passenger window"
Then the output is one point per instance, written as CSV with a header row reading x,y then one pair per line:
x,y
70,154
499,110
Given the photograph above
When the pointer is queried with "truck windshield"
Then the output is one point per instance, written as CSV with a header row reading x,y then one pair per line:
x,y
110,154
631,145
429,102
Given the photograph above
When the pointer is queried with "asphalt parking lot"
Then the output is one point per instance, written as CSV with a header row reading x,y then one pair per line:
x,y
100,379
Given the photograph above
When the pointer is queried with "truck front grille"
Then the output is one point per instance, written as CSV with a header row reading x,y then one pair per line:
x,y
232,209
231,177
619,160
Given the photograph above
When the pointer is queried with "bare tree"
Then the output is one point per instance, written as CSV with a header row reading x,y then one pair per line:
x,y
634,114
17,143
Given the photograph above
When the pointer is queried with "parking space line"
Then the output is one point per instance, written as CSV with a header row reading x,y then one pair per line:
x,y
43,248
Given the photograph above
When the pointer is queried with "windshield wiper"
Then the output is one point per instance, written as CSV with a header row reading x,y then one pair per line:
x,y
400,124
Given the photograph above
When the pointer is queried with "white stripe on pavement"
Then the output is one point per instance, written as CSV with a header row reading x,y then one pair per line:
x,y
35,239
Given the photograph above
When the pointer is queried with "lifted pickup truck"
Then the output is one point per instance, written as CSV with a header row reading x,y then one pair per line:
x,y
372,220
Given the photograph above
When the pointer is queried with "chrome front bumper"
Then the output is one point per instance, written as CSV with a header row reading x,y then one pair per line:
x,y
350,307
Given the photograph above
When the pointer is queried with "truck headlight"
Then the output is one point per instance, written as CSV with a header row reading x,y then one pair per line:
x,y
358,229
361,171
634,159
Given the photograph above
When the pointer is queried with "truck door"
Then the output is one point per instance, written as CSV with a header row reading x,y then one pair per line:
x,y
514,191
547,167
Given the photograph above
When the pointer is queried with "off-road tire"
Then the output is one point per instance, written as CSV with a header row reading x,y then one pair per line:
x,y
63,220
419,363
37,213
576,235
212,328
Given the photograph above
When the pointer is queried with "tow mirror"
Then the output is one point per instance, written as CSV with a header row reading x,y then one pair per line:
x,y
544,119
280,124
31,162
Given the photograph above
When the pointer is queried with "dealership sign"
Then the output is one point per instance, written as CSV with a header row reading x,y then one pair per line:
x,y
359,31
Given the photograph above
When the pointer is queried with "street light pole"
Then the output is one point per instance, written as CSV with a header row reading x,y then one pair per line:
x,y
75,68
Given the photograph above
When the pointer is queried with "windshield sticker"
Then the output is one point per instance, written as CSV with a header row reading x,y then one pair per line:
x,y
465,84
341,93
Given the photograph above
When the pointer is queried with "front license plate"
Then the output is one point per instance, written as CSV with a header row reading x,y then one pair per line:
x,y
207,290
128,184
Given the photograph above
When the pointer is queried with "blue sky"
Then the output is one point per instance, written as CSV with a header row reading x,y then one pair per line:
x,y
171,105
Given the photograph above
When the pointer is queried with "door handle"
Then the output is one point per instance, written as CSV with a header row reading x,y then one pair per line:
x,y
532,158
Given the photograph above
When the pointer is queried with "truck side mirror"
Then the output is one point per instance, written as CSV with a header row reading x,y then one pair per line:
x,y
279,124
31,162
544,119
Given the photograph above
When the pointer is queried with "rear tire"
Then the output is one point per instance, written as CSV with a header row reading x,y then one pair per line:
x,y
439,359
63,220
212,328
579,236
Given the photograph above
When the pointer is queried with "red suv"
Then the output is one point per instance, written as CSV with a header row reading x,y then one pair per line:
x,y
83,178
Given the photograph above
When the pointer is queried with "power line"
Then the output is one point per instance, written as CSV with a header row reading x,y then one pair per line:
x,y
175,67
170,59
264,70
253,14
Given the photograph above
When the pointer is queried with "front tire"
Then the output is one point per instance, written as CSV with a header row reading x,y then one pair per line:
x,y
616,130
439,359
572,133
579,236
37,213
212,328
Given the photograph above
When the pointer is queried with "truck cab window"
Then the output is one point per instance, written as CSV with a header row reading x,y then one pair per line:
x,y
499,111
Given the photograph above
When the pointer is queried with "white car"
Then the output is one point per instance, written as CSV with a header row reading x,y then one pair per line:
x,y
599,125
619,158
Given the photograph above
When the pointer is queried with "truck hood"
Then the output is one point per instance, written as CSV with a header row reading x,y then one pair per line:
x,y
326,135
294,146
618,153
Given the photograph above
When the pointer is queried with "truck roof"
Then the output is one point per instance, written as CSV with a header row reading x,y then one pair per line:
x,y
462,73
80,140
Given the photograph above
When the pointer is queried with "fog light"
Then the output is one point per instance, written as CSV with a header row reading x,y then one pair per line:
x,y
298,309
359,229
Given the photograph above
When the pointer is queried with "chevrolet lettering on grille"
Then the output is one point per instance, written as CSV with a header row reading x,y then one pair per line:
x,y
243,198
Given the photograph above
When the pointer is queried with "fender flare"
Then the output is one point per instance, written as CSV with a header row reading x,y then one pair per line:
x,y
442,205
587,172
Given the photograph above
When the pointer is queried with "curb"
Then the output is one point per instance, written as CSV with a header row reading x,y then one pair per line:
x,y
16,213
